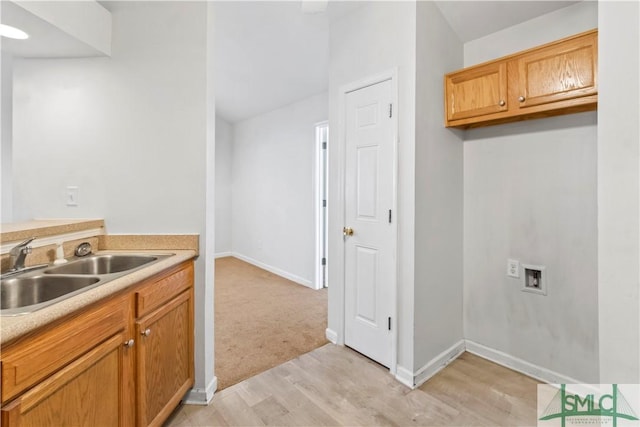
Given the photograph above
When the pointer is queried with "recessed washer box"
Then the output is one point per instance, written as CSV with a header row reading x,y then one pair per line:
x,y
534,279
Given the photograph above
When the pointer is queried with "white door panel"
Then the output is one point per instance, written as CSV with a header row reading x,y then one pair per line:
x,y
369,191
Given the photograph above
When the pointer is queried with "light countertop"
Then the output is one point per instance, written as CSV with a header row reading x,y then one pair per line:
x,y
12,327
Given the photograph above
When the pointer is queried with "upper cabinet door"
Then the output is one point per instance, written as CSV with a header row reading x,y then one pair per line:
x,y
476,91
561,72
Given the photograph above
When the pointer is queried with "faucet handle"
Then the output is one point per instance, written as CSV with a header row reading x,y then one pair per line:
x,y
26,242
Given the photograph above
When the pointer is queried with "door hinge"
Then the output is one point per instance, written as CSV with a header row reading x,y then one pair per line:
x,y
324,261
324,203
389,216
390,110
324,145
389,322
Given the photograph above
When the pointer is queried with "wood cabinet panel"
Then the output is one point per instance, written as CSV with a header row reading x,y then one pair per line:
x,y
164,359
29,361
554,79
87,392
477,92
565,71
152,295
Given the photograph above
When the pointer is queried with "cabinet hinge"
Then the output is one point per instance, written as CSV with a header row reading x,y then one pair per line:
x,y
390,110
389,322
324,261
324,145
389,216
324,203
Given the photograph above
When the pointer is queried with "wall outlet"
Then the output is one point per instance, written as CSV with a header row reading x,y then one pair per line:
x,y
513,268
71,196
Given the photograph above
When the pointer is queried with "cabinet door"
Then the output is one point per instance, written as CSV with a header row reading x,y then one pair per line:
x,y
164,359
476,91
564,71
87,392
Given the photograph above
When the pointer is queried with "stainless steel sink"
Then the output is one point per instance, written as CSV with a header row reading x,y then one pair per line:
x,y
36,288
20,292
102,264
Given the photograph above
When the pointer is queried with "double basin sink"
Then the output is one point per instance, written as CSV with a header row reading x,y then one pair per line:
x,y
38,288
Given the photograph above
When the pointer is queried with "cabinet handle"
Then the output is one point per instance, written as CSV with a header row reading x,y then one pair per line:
x,y
146,332
521,99
502,103
129,343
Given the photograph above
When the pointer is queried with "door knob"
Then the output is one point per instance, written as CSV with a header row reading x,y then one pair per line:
x,y
347,231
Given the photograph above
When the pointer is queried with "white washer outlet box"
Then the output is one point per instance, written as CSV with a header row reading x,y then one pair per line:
x,y
534,279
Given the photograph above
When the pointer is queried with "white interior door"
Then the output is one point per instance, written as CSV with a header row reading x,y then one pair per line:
x,y
369,194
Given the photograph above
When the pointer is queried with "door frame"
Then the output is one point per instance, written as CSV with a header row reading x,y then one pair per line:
x,y
338,259
321,219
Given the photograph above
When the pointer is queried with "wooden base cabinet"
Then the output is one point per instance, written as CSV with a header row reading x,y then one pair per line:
x,y
164,359
127,361
554,79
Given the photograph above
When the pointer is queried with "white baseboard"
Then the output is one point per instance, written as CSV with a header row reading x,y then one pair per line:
x,y
436,364
222,254
405,376
331,335
200,396
522,366
299,280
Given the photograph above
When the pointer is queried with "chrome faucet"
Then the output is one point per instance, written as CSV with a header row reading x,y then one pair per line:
x,y
18,254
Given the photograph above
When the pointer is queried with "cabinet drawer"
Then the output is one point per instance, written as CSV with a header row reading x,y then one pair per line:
x,y
162,290
28,362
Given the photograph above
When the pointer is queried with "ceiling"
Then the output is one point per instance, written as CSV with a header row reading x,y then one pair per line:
x,y
45,40
269,54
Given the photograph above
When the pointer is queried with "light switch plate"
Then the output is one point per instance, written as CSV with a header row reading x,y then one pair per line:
x,y
71,195
513,268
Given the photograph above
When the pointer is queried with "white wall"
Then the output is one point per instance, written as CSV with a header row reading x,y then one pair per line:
x,y
547,28
6,156
273,188
130,131
618,192
530,195
438,193
224,151
375,38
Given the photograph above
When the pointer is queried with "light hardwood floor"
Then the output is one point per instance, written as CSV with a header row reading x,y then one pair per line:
x,y
334,385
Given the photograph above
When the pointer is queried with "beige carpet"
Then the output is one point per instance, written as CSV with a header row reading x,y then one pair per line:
x,y
262,320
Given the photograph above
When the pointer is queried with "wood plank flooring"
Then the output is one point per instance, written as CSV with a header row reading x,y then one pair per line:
x,y
334,385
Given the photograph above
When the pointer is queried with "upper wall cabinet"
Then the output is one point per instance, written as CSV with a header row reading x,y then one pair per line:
x,y
554,79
